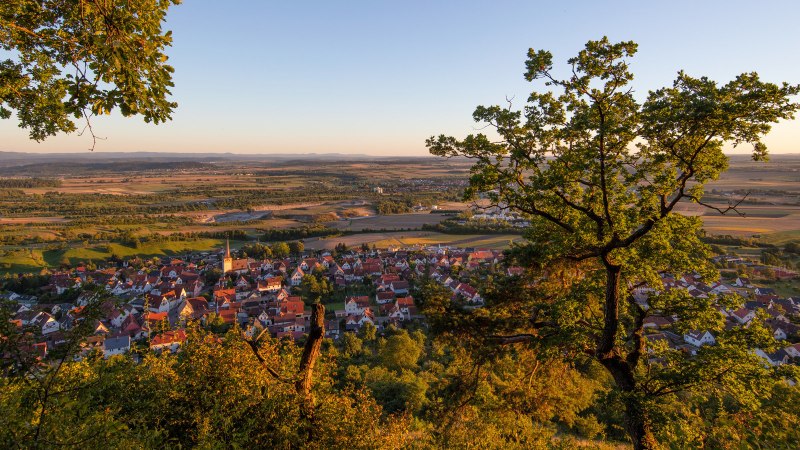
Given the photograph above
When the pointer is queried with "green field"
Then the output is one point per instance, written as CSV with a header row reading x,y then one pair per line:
x,y
33,260
781,237
22,261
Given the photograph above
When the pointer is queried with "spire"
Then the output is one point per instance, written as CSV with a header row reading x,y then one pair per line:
x,y
227,248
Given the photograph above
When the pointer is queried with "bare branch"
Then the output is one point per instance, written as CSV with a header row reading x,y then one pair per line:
x,y
731,206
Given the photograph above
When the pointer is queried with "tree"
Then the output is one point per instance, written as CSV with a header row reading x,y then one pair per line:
x,y
313,288
280,250
599,175
400,352
296,247
77,59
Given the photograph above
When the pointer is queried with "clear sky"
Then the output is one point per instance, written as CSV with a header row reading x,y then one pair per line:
x,y
378,77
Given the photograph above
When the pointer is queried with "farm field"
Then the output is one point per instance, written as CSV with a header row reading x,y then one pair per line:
x,y
413,238
388,222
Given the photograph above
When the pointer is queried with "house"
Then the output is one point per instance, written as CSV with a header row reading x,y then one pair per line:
x,y
656,322
782,328
154,320
270,284
242,283
46,323
160,303
332,329
116,346
793,350
406,306
765,296
399,287
356,305
118,315
743,315
297,277
169,340
356,321
469,293
193,308
132,326
384,297
293,307
222,295
774,359
699,338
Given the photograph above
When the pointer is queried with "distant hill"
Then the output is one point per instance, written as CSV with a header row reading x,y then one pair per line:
x,y
76,168
9,159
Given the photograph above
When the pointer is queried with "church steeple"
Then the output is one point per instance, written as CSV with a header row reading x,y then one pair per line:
x,y
227,248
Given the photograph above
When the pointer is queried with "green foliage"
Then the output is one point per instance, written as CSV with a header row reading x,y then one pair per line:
x,y
300,233
296,247
473,226
280,250
257,250
315,288
213,394
598,174
400,352
71,60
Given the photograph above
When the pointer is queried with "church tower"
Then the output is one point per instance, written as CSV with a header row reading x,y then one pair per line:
x,y
227,262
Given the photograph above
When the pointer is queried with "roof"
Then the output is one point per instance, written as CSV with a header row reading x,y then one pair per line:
x,y
117,343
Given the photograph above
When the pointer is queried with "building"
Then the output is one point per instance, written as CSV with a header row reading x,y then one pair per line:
x,y
230,264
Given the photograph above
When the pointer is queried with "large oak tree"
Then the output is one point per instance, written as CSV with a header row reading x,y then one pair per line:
x,y
600,174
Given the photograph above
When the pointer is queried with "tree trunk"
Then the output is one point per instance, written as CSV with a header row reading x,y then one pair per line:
x,y
311,353
605,347
637,422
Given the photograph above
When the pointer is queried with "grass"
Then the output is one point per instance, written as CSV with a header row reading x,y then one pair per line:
x,y
333,307
781,237
33,260
790,288
22,261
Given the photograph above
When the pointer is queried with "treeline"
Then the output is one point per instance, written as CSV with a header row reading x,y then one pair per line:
x,y
473,226
92,168
385,207
132,240
29,284
400,204
726,239
287,234
277,250
27,183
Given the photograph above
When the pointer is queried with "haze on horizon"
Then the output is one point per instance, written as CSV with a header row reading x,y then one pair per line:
x,y
378,78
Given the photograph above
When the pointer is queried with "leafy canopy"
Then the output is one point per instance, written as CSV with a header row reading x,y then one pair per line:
x,y
73,59
599,174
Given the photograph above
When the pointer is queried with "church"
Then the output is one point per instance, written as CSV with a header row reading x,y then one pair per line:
x,y
233,265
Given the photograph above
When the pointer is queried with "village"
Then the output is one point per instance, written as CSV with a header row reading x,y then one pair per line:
x,y
154,304
151,302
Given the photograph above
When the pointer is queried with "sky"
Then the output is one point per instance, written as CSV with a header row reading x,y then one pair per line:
x,y
379,77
